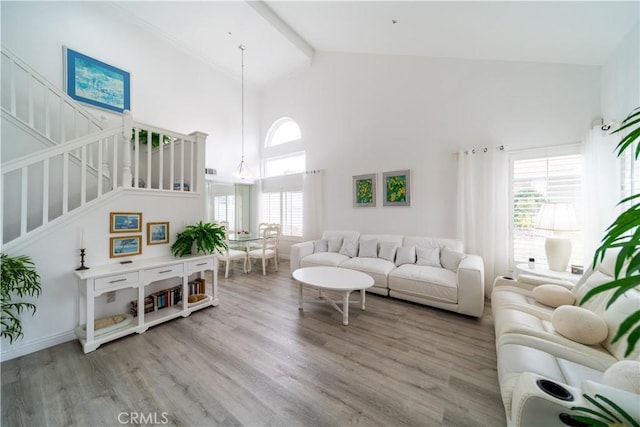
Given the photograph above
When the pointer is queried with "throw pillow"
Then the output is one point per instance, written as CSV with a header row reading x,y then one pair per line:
x,y
349,248
450,259
624,374
335,244
579,324
553,295
320,246
388,251
406,255
428,256
368,249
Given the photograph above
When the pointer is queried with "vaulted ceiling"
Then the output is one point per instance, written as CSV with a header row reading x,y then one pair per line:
x,y
282,36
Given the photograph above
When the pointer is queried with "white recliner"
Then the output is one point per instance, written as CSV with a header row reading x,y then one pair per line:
x,y
543,373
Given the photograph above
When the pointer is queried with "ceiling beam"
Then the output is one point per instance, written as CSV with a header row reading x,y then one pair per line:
x,y
282,27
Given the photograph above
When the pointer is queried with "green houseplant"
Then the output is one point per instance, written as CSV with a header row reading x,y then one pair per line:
x,y
143,138
622,234
207,237
19,279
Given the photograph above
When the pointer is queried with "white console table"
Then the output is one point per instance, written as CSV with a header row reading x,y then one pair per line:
x,y
544,271
139,275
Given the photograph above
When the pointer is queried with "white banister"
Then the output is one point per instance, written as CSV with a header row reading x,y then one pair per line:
x,y
88,153
126,155
23,80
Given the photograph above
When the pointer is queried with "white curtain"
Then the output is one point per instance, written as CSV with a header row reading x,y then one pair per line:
x,y
601,186
483,209
313,199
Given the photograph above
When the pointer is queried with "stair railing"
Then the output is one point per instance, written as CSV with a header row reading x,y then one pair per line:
x,y
49,183
31,99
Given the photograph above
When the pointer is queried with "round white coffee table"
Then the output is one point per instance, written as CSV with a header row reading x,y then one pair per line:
x,y
335,279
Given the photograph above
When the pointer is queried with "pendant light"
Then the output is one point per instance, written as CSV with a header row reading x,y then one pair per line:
x,y
243,171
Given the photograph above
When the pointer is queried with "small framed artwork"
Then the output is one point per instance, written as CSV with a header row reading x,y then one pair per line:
x,y
126,222
364,191
157,233
96,83
397,188
125,246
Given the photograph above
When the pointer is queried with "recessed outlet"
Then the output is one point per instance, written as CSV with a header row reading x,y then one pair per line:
x,y
111,296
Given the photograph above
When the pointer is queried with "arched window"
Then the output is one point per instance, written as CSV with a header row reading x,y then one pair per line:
x,y
281,131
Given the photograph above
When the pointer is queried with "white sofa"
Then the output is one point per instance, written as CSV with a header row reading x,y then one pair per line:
x,y
458,288
534,354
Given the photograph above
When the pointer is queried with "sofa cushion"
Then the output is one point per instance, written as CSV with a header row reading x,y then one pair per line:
x,y
375,267
553,295
323,258
320,246
623,307
349,248
388,251
624,374
579,324
406,255
334,244
450,259
368,249
429,242
430,282
428,256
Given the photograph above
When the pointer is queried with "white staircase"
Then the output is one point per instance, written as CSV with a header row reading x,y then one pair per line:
x,y
57,157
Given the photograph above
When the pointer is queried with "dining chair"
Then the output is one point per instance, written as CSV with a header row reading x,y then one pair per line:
x,y
268,250
229,255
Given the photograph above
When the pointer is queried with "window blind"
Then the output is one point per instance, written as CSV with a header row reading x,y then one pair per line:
x,y
536,181
284,208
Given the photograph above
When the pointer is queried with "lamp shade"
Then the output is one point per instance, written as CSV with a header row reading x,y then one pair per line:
x,y
557,217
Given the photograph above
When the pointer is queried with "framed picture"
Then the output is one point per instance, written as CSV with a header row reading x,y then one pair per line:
x,y
125,246
126,222
397,188
157,233
364,191
96,83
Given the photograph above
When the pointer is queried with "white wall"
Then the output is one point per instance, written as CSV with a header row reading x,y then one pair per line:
x,y
169,88
371,113
621,78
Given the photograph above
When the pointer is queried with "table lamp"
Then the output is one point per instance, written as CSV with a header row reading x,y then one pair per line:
x,y
557,217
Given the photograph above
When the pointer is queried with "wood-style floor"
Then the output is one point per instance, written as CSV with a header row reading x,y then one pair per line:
x,y
255,360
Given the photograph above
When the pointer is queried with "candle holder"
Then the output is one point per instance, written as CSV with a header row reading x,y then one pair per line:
x,y
82,266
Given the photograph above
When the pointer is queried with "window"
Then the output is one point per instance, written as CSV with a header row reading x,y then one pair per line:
x,y
224,210
284,208
536,180
630,168
284,165
281,131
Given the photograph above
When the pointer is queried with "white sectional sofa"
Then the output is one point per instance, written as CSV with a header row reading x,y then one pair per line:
x,y
424,270
548,356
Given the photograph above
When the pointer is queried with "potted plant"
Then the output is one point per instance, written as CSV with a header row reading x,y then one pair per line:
x,y
143,138
623,233
207,237
19,279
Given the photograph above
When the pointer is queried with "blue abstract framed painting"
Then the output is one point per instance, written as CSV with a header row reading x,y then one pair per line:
x,y
125,222
96,83
125,246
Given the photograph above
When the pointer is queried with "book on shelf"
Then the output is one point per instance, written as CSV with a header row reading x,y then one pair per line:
x,y
159,300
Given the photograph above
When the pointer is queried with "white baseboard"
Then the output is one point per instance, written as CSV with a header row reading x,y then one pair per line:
x,y
21,348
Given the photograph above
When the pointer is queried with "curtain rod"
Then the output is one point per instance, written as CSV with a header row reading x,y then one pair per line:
x,y
483,149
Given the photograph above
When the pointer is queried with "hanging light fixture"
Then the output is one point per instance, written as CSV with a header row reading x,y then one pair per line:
x,y
243,171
